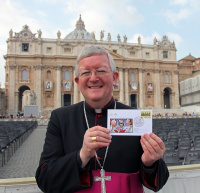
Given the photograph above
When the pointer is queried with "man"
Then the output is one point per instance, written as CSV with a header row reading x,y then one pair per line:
x,y
78,144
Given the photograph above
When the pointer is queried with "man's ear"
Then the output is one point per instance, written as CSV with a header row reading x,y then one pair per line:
x,y
77,80
115,77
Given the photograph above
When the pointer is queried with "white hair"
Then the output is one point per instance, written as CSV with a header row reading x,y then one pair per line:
x,y
94,50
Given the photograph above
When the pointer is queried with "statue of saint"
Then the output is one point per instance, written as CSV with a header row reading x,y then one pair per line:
x,y
173,44
109,37
155,41
76,35
82,35
11,33
93,35
119,38
139,40
39,33
58,34
101,35
125,39
32,97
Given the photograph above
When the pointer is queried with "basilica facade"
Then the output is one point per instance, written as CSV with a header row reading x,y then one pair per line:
x,y
148,74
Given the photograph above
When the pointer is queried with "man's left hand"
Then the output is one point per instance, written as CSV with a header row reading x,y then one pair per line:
x,y
153,148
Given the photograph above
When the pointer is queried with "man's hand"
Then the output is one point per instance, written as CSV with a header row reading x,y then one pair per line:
x,y
89,148
153,148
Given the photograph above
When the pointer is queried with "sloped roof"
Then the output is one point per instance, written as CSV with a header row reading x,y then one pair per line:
x,y
189,57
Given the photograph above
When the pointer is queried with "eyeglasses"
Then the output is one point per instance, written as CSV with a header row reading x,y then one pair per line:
x,y
98,72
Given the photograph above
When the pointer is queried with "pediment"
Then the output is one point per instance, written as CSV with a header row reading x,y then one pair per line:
x,y
115,55
25,33
67,44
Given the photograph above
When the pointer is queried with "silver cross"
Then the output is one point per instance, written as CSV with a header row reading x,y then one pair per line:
x,y
103,178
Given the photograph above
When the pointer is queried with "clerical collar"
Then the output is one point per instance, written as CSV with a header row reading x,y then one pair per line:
x,y
91,110
98,110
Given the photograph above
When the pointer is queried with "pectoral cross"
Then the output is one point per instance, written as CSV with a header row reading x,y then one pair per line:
x,y
103,178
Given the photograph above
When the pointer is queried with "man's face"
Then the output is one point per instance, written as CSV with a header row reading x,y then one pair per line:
x,y
113,123
128,122
96,89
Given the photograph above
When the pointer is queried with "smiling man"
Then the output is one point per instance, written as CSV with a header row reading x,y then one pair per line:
x,y
79,153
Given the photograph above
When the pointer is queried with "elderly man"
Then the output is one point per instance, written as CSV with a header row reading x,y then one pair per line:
x,y
79,153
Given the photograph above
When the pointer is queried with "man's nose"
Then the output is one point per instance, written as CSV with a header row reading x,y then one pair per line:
x,y
93,76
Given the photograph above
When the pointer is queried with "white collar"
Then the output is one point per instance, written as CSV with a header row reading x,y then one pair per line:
x,y
98,110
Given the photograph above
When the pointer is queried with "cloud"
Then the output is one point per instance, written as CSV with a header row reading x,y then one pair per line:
x,y
174,17
145,39
102,14
189,3
178,2
41,13
175,37
50,1
13,16
150,38
2,64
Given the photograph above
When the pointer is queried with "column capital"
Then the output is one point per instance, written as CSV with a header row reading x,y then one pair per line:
x,y
59,67
38,66
12,66
176,72
157,70
141,70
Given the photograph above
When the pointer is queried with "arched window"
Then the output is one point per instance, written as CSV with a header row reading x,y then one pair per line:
x,y
132,77
148,77
24,75
48,74
167,78
67,75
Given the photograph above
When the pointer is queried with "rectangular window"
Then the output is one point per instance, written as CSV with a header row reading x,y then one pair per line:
x,y
25,47
49,50
147,55
115,51
165,54
67,50
132,53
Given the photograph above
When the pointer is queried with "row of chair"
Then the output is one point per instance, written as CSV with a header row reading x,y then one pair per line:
x,y
181,138
12,135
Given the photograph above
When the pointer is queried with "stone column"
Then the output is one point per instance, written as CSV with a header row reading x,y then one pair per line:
x,y
38,85
16,101
141,83
121,87
126,87
75,90
11,91
157,89
176,90
58,87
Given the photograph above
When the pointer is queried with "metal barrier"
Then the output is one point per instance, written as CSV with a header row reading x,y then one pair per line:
x,y
40,121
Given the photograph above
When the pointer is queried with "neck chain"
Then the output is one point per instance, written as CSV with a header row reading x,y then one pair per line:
x,y
101,166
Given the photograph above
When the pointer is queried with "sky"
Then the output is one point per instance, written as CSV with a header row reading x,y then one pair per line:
x,y
178,19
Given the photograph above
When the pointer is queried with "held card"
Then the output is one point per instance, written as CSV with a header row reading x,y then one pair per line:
x,y
129,122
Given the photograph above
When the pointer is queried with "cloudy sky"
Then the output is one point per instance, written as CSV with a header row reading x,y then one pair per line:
x,y
178,19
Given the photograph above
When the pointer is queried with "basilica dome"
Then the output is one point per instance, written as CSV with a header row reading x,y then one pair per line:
x,y
80,32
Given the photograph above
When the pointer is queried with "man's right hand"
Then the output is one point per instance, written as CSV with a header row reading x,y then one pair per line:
x,y
89,148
